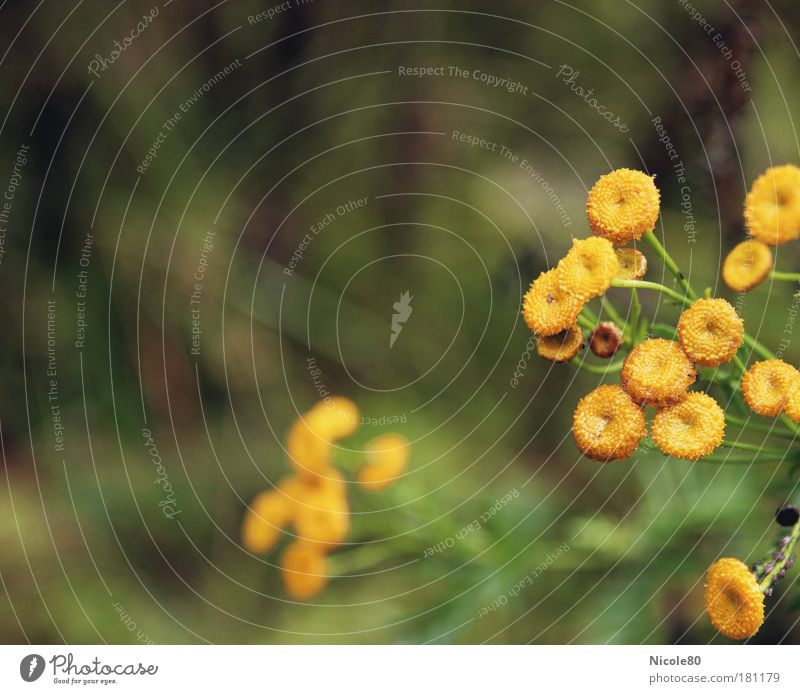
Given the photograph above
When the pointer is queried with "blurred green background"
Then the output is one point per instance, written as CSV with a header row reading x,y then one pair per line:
x,y
314,112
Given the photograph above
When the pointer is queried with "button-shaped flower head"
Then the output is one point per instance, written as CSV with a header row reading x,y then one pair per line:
x,y
623,205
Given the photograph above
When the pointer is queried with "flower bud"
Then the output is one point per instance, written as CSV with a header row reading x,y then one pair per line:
x,y
605,340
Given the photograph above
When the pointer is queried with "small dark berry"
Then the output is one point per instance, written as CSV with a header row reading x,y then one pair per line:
x,y
778,556
783,541
769,567
768,592
787,515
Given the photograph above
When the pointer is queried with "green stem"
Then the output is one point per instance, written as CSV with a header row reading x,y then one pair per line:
x,y
757,347
670,264
785,276
644,284
611,367
753,447
753,426
608,307
788,550
586,322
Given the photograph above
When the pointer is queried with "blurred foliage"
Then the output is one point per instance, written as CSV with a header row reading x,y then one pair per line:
x,y
317,115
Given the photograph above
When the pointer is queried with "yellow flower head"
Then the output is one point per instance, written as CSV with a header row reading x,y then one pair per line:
x,y
691,429
766,386
321,514
546,309
734,601
747,265
657,372
632,264
309,452
587,270
261,526
607,424
793,403
387,459
334,418
623,205
772,207
562,346
710,332
304,570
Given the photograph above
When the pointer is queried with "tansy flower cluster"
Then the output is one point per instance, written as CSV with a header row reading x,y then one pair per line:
x,y
772,218
662,363
313,499
609,422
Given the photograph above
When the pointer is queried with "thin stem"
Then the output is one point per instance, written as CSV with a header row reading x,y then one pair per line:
x,y
757,347
785,276
644,284
611,367
769,579
636,316
608,307
754,447
670,264
586,322
753,426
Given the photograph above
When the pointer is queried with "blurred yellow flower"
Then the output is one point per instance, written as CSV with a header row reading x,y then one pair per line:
x,y
766,386
268,513
772,207
710,332
657,372
623,205
546,309
734,601
387,459
690,429
747,265
632,264
304,570
607,424
335,418
562,346
309,452
588,268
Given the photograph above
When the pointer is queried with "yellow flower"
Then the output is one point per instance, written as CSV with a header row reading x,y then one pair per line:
x,y
261,526
321,514
309,452
623,205
772,207
587,270
766,386
387,458
546,309
734,601
747,265
562,346
710,332
792,407
607,424
322,519
632,264
334,418
304,570
657,372
691,429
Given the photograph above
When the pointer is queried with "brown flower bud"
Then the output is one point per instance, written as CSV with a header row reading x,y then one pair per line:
x,y
605,340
